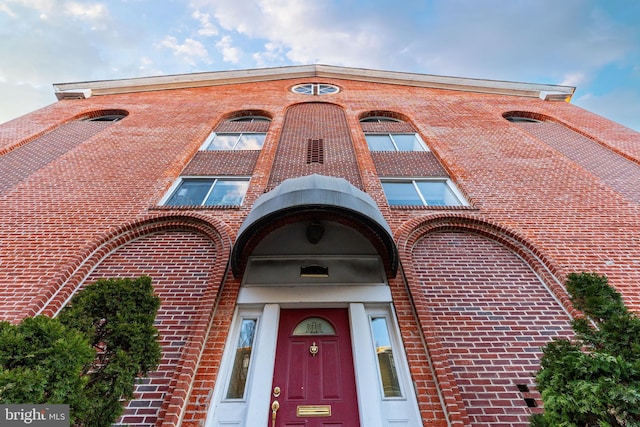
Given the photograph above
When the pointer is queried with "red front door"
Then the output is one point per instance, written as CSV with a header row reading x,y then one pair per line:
x,y
314,370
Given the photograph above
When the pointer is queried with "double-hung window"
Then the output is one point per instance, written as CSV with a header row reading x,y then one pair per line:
x,y
208,191
422,192
234,141
395,142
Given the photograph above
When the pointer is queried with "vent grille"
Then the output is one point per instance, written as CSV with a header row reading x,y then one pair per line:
x,y
315,151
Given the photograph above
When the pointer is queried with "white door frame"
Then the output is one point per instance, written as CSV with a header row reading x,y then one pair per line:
x,y
363,302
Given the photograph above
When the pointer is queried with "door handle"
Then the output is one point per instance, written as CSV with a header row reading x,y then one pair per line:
x,y
274,412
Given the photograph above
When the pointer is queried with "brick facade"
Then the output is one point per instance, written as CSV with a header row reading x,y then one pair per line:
x,y
479,289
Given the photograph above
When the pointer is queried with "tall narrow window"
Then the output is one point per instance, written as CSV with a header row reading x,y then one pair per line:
x,y
242,359
386,363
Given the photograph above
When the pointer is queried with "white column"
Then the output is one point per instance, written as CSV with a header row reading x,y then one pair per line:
x,y
365,367
259,394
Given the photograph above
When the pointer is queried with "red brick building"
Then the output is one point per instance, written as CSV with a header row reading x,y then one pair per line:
x,y
363,247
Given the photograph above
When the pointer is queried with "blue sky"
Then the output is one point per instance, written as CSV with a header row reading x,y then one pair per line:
x,y
591,44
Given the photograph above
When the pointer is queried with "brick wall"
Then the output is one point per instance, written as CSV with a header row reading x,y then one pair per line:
x,y
65,210
315,121
179,264
492,314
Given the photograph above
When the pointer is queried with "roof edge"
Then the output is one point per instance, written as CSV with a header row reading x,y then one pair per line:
x,y
216,78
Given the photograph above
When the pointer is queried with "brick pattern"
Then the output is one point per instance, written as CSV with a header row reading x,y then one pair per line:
x,y
228,126
18,164
554,213
492,314
615,171
387,127
407,164
222,163
315,121
180,268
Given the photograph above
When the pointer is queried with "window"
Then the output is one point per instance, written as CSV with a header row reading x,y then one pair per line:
x,y
518,119
240,370
250,119
379,119
107,118
209,192
422,192
315,89
395,142
314,326
234,141
387,370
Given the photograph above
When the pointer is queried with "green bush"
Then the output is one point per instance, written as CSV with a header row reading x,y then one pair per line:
x,y
594,378
89,356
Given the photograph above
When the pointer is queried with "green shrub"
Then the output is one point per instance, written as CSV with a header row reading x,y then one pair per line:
x,y
89,356
594,378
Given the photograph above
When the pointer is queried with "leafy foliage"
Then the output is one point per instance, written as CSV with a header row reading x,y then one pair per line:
x,y
87,357
41,361
593,379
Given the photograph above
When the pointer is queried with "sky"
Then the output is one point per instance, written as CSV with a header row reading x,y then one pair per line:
x,y
593,45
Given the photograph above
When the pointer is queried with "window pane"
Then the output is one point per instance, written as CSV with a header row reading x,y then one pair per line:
x,y
242,359
227,193
401,194
251,141
437,193
386,363
191,192
314,326
380,143
408,142
326,89
306,89
223,141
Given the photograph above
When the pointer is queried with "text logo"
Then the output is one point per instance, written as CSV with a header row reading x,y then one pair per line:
x,y
34,415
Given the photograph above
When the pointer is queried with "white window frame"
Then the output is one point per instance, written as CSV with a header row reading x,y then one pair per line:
x,y
377,313
395,145
233,345
413,180
212,137
216,179
250,119
380,119
316,89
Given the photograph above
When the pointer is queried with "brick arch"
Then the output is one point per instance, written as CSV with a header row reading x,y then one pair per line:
x,y
567,128
550,273
247,112
70,277
384,113
486,304
99,113
309,126
186,256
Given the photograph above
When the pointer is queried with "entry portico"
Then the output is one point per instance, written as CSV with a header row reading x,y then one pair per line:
x,y
314,338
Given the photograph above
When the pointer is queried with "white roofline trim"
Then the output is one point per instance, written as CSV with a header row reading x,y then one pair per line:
x,y
182,81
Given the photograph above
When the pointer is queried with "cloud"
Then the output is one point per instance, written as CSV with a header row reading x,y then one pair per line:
x,y
273,53
229,52
93,11
191,51
573,79
207,29
491,39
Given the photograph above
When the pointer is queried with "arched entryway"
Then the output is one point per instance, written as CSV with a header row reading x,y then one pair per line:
x,y
314,338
